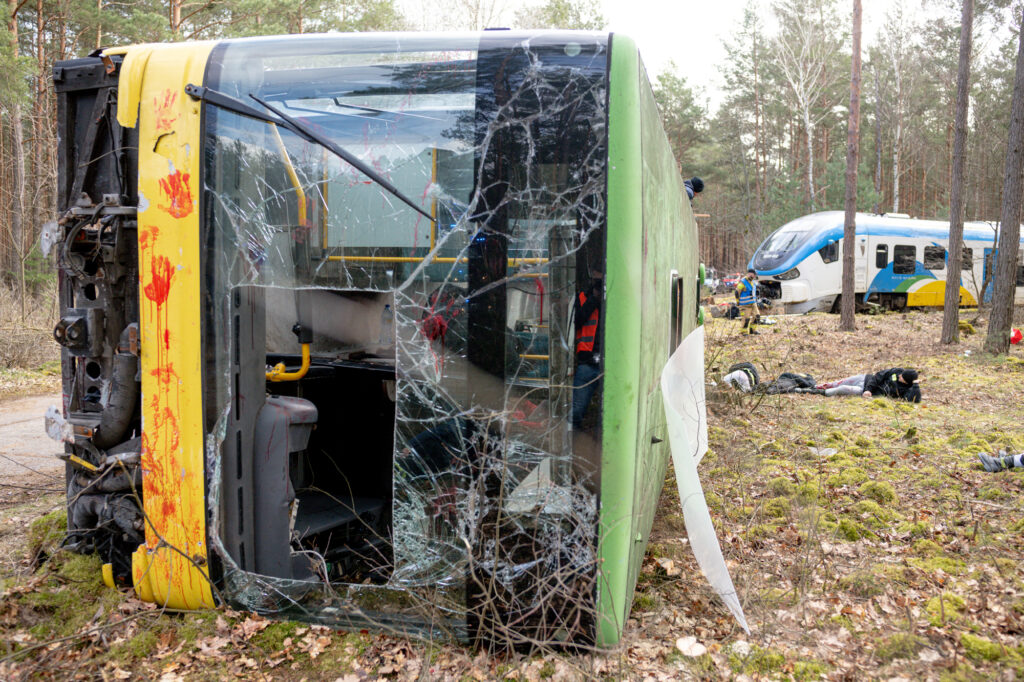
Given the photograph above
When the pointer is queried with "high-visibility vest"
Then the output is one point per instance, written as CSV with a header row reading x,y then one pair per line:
x,y
748,294
585,334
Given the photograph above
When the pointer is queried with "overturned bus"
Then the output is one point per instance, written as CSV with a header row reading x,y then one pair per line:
x,y
320,356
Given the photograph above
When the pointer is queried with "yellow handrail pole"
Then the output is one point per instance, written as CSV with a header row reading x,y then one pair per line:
x,y
280,373
292,175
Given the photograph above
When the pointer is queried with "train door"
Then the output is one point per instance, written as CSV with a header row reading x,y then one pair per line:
x,y
987,273
936,261
875,262
860,264
1019,291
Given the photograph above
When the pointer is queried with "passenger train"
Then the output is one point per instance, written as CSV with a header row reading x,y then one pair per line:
x,y
899,262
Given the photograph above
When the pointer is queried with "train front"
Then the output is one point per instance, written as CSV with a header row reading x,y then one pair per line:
x,y
798,265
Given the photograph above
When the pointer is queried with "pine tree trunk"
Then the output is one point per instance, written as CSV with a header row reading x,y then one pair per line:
x,y
847,322
18,164
951,309
998,339
175,18
757,137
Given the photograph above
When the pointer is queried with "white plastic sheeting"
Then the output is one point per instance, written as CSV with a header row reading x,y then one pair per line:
x,y
682,389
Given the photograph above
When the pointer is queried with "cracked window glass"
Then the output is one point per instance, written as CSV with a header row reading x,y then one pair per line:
x,y
389,398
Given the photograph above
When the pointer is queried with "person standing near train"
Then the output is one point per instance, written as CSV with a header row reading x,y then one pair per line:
x,y
746,296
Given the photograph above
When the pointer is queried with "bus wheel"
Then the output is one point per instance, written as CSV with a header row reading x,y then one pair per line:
x,y
837,305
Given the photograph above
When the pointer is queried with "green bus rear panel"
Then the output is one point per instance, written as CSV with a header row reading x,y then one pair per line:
x,y
651,238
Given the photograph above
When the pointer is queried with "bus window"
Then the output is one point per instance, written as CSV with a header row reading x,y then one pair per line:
x,y
676,324
830,252
968,259
881,256
934,258
1020,275
903,259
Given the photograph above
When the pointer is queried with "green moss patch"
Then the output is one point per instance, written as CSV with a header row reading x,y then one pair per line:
x,y
780,486
900,645
777,507
939,563
981,649
873,581
850,476
758,661
879,491
944,608
46,533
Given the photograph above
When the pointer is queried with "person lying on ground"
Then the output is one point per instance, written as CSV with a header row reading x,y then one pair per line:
x,y
894,383
1003,461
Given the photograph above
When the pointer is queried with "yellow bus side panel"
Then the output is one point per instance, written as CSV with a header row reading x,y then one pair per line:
x,y
170,569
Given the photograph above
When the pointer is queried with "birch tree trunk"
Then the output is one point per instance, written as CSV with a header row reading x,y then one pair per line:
x,y
847,322
878,143
998,339
896,163
954,260
809,128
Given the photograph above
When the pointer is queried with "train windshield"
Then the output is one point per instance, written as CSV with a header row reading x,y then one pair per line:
x,y
784,242
439,333
777,248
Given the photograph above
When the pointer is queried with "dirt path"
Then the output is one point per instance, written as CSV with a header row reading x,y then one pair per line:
x,y
24,446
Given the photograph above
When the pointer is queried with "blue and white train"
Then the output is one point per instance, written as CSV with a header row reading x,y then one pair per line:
x,y
899,262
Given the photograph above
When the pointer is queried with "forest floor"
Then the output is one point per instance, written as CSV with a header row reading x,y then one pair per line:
x,y
862,535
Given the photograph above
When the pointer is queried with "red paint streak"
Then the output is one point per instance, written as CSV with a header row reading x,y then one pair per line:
x,y
165,114
161,272
160,438
175,187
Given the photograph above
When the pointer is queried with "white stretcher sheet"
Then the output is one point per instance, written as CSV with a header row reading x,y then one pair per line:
x,y
682,389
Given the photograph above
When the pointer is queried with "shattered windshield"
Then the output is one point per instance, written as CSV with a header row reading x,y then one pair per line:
x,y
777,248
387,395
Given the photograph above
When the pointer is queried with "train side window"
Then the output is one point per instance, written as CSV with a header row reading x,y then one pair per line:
x,y
968,259
676,323
903,259
830,252
881,256
934,258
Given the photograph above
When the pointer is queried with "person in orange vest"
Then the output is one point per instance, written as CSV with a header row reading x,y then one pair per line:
x,y
587,318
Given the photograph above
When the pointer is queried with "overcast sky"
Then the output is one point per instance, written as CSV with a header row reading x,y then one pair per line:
x,y
687,32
